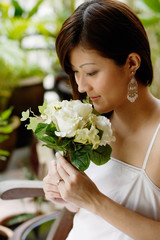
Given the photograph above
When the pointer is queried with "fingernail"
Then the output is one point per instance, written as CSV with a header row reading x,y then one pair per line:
x,y
58,154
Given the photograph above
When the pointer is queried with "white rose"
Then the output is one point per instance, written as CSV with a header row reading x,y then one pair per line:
x,y
104,124
68,116
82,136
82,109
50,112
67,123
94,137
89,136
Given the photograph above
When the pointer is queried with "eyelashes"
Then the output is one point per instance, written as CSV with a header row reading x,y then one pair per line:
x,y
90,74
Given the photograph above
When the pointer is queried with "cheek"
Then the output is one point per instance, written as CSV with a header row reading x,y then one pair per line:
x,y
114,83
107,86
113,94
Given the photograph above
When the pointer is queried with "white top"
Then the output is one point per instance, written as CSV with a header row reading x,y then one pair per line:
x,y
127,185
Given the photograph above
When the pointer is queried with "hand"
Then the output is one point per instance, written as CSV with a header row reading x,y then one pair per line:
x,y
76,186
51,190
50,183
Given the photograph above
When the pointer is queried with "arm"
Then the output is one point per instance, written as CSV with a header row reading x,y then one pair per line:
x,y
131,223
81,191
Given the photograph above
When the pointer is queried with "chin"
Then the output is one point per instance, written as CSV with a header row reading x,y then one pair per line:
x,y
102,109
99,109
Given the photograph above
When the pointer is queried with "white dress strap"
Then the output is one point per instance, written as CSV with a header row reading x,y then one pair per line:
x,y
150,147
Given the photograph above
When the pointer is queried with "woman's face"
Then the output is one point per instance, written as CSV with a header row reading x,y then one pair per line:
x,y
104,82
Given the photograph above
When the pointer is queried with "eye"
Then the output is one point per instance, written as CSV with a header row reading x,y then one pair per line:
x,y
91,73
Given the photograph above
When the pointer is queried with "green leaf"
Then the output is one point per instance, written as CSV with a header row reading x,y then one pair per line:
x,y
50,130
81,147
49,140
63,142
3,138
18,10
154,5
43,107
76,146
150,21
54,146
4,153
87,100
33,124
20,218
101,155
46,133
6,114
41,129
6,129
35,8
100,133
25,115
80,159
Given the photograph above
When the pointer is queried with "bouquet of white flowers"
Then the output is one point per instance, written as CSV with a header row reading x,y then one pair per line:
x,y
73,128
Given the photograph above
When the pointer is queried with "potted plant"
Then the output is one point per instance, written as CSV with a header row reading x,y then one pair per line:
x,y
17,67
8,126
22,24
21,83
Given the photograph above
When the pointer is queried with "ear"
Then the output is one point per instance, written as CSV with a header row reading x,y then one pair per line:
x,y
133,61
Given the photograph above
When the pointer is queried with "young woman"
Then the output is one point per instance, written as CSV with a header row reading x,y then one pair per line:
x,y
104,49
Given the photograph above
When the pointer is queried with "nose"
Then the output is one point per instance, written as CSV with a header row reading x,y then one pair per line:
x,y
83,85
81,88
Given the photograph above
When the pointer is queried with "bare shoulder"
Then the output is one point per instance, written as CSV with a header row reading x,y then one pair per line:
x,y
153,164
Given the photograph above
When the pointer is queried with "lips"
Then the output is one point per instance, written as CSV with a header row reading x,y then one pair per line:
x,y
94,98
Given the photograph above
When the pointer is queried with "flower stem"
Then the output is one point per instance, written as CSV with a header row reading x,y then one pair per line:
x,y
66,154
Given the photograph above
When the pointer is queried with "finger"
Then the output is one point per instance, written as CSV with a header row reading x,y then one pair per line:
x,y
61,171
50,187
52,167
52,176
52,196
69,169
50,182
59,200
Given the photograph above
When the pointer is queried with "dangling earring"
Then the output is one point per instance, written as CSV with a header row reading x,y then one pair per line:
x,y
132,94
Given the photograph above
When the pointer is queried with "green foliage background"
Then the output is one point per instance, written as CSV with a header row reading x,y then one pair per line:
x,y
149,13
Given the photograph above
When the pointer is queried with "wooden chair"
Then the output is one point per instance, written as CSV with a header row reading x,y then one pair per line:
x,y
62,219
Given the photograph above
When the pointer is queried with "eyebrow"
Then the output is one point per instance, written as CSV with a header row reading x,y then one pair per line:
x,y
84,64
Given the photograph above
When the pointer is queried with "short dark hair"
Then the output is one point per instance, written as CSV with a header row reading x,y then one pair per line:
x,y
112,29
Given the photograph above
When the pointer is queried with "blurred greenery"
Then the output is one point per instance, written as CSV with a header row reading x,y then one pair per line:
x,y
149,13
18,25
27,36
5,130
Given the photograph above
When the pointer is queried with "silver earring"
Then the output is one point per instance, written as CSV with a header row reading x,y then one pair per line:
x,y
132,94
